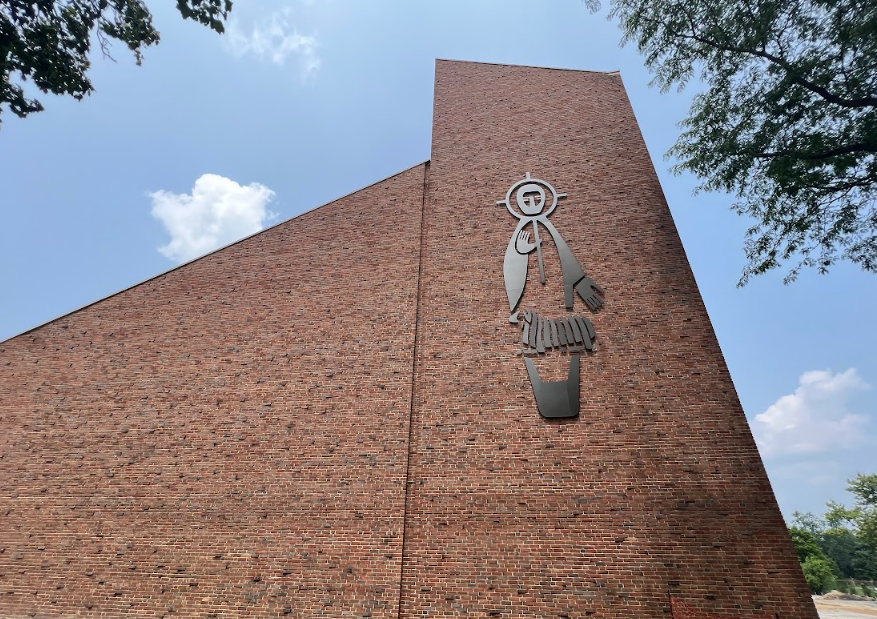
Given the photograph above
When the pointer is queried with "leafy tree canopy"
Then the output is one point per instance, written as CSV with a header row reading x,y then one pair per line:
x,y
818,574
48,41
808,522
864,564
841,546
844,537
864,514
788,120
864,488
806,545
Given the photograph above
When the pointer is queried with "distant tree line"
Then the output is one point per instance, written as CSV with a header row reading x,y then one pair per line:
x,y
842,544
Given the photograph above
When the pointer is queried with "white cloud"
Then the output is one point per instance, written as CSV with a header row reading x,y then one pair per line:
x,y
274,38
217,212
815,418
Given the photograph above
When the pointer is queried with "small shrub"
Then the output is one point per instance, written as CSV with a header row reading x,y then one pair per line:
x,y
818,573
843,586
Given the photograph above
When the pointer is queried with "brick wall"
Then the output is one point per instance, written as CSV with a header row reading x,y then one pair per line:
x,y
234,438
658,484
226,440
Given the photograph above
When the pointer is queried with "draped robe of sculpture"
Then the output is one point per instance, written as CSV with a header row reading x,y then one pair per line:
x,y
516,266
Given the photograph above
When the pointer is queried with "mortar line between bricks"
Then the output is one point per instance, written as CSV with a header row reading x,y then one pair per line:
x,y
413,380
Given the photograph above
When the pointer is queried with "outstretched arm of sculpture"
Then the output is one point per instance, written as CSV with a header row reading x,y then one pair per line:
x,y
523,244
588,289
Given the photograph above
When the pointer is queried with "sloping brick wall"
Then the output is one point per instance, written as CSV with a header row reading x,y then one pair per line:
x,y
228,439
328,419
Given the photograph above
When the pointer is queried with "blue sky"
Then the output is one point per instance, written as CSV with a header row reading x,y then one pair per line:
x,y
304,101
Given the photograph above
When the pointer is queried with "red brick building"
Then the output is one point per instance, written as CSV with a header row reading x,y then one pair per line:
x,y
333,418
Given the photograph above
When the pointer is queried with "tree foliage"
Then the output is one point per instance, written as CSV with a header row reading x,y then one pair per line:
x,y
788,120
841,545
819,570
48,41
863,515
808,522
818,573
864,564
805,543
846,538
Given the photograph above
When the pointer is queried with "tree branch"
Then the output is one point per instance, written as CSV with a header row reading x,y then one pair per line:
x,y
859,147
781,62
809,85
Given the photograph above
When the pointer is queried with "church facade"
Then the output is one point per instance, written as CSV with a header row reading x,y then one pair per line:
x,y
486,386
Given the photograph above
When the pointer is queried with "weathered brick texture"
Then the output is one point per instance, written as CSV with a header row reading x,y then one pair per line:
x,y
328,419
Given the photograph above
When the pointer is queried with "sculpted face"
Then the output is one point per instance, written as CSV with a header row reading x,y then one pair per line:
x,y
530,198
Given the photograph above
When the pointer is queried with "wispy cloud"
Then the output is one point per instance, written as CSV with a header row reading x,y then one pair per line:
x,y
274,38
815,418
217,212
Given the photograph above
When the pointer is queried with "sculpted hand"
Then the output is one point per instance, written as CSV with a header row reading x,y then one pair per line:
x,y
588,290
523,244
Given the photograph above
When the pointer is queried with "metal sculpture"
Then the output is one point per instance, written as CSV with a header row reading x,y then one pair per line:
x,y
558,399
530,198
528,201
538,334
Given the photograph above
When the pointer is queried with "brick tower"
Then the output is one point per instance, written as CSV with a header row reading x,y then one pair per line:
x,y
447,437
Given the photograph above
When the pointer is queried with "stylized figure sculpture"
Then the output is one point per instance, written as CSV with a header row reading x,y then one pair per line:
x,y
530,197
527,200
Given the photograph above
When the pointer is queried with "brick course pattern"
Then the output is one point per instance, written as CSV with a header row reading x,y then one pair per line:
x,y
328,419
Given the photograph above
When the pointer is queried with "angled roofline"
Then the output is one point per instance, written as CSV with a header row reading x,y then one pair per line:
x,y
185,264
528,66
